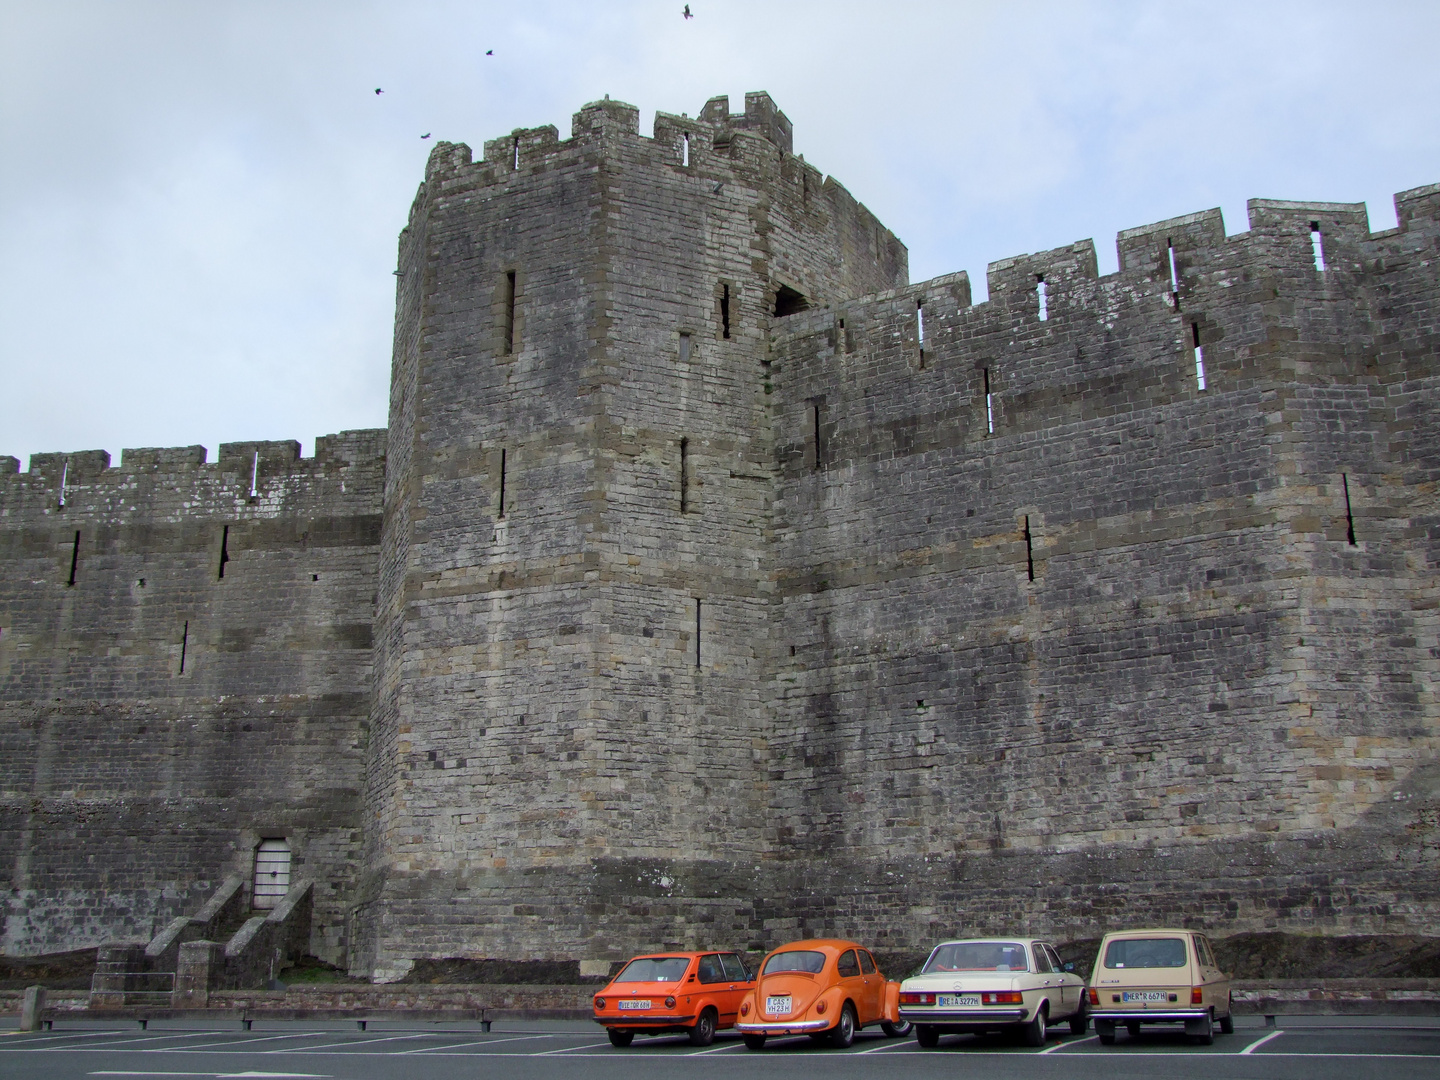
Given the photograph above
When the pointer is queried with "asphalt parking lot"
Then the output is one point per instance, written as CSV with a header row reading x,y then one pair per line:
x,y
1304,1048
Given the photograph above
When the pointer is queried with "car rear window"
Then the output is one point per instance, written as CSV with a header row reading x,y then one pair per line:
x,y
654,969
1166,952
799,960
978,956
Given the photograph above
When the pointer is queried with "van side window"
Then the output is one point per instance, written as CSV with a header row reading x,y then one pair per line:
x,y
867,965
1042,958
848,965
734,967
710,969
1202,949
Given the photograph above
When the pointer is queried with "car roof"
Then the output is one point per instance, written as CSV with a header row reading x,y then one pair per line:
x,y
675,955
1146,931
991,940
813,944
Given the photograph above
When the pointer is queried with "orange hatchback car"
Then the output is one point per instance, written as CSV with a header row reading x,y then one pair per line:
x,y
693,992
823,988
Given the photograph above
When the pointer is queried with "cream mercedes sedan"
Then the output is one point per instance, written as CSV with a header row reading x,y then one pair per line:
x,y
985,984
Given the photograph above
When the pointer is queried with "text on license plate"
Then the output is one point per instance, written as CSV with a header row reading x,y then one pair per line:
x,y
634,1003
1143,995
777,1004
956,1001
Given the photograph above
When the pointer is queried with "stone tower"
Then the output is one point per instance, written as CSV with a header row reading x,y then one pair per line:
x,y
575,591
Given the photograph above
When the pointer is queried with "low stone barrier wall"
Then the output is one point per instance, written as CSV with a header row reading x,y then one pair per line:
x,y
1338,997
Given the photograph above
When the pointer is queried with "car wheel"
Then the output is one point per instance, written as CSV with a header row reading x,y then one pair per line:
x,y
927,1036
621,1038
843,1033
1034,1032
1205,1033
1227,1024
895,1031
754,1042
703,1033
1133,1027
1079,1020
1105,1032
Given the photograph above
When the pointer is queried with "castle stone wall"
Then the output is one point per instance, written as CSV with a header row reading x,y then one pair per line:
x,y
129,788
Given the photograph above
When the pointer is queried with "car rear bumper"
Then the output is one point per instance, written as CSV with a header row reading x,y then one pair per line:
x,y
980,1017
640,1023
1130,1016
797,1028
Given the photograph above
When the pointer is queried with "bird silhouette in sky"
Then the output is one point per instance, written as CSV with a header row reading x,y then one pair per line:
x,y
489,52
378,90
426,135
686,12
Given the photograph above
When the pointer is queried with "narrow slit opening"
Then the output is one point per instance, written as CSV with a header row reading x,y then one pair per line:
x,y
725,312
224,551
184,644
1040,293
788,301
1029,551
74,558
1199,356
685,151
1317,246
515,161
1174,276
64,471
1349,517
697,631
845,342
815,432
509,312
989,406
684,348
920,328
684,476
501,514
255,475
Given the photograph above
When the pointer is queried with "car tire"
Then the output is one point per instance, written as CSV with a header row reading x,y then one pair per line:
x,y
1206,1035
1105,1032
927,1036
895,1031
703,1033
1133,1027
1079,1020
754,1042
843,1033
621,1038
1033,1033
1227,1024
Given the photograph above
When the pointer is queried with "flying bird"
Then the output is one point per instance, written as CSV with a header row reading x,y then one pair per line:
x,y
378,90
489,52
426,135
687,12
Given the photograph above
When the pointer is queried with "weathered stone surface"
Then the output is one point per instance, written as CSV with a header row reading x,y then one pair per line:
x,y
693,599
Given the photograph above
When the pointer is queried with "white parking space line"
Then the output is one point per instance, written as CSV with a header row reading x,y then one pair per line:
x,y
359,1040
1063,1045
273,1076
567,1049
146,1039
886,1045
243,1040
468,1042
60,1036
715,1049
1261,1042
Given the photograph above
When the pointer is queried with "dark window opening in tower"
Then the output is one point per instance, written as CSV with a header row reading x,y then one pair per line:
x,y
510,313
788,302
684,476
725,311
684,348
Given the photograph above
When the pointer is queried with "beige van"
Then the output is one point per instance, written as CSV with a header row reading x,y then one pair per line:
x,y
1159,977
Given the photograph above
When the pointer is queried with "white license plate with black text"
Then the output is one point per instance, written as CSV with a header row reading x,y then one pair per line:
x,y
778,1005
1143,995
635,1003
956,1001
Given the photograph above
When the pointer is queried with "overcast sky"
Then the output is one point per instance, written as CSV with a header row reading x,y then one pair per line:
x,y
199,201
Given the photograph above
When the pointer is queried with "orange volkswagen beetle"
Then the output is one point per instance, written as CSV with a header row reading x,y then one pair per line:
x,y
823,988
693,992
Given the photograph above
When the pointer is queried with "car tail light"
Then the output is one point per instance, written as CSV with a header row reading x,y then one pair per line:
x,y
744,1008
1094,997
669,1002
910,997
599,1003
1195,996
1002,997
820,1007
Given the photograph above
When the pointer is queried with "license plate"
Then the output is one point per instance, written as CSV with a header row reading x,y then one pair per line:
x,y
956,1001
778,1005
634,1003
1143,995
